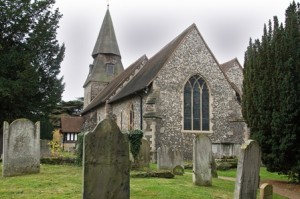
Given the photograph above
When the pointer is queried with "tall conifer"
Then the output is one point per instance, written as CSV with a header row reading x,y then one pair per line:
x,y
30,59
272,108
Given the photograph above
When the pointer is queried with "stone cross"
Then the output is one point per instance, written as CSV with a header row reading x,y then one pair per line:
x,y
247,179
21,148
202,160
106,163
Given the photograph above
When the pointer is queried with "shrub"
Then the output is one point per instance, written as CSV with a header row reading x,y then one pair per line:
x,y
135,137
79,148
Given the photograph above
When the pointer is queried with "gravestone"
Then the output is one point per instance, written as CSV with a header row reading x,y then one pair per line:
x,y
214,171
247,179
178,170
266,191
45,149
168,158
144,154
21,148
106,162
202,160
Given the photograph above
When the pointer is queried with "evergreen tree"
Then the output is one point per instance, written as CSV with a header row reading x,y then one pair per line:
x,y
30,59
271,100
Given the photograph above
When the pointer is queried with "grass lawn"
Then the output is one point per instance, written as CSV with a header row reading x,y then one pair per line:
x,y
264,174
65,182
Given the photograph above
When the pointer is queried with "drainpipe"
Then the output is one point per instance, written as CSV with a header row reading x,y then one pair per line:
x,y
141,112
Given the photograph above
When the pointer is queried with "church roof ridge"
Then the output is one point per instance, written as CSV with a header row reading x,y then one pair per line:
x,y
106,42
146,75
112,87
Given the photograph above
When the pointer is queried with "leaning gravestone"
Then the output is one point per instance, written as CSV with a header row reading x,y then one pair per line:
x,y
168,158
21,148
202,161
247,179
106,163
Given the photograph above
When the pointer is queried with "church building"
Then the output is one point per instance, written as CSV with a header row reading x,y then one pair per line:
x,y
180,91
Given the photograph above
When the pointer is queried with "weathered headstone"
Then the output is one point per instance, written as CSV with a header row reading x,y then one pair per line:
x,y
21,148
266,191
178,170
106,163
144,154
202,160
214,171
45,148
247,179
168,158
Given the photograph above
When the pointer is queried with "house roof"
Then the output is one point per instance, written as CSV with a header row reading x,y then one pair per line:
x,y
225,67
71,124
146,75
106,42
112,87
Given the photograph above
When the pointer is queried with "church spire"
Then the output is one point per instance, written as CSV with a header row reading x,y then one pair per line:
x,y
107,62
106,42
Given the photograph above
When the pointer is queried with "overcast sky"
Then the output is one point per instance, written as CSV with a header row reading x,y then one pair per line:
x,y
145,26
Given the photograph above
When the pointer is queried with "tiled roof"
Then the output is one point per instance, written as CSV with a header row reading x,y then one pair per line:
x,y
71,124
146,75
112,87
225,67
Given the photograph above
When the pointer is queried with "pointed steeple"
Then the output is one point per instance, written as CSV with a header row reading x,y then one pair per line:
x,y
106,42
107,62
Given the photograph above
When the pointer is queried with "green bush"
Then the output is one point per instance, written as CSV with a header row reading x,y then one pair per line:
x,y
135,137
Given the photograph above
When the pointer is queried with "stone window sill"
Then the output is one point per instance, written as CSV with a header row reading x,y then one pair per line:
x,y
196,132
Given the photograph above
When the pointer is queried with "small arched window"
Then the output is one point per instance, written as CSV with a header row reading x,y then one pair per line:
x,y
110,69
131,117
196,105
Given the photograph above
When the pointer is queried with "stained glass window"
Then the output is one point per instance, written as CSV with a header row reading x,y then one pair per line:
x,y
196,104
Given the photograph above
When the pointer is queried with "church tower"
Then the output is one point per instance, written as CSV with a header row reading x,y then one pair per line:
x,y
107,61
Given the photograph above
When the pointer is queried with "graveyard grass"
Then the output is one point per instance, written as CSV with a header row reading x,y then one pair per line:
x,y
65,182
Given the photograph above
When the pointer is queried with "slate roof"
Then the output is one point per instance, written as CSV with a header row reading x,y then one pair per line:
x,y
106,42
112,87
71,124
147,74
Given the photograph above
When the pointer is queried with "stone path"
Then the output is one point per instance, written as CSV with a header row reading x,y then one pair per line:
x,y
291,191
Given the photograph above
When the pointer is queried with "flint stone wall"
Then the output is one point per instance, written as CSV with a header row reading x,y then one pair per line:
x,y
190,58
21,148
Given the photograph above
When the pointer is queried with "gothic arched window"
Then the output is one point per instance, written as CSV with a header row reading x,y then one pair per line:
x,y
196,105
